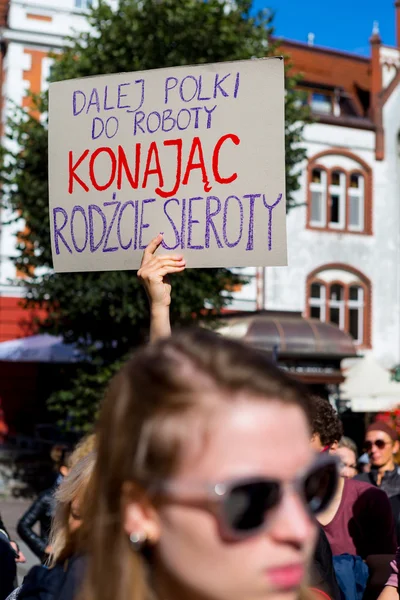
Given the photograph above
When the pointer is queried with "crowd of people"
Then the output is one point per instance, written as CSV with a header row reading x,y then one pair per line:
x,y
212,475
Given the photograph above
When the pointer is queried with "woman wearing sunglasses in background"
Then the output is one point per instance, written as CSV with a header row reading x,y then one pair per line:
x,y
205,485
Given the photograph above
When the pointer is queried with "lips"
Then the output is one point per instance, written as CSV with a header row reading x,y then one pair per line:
x,y
286,577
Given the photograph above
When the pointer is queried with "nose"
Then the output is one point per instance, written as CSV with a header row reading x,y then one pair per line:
x,y
291,522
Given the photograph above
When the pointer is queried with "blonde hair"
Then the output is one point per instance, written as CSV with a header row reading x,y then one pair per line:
x,y
84,447
74,485
142,428
347,442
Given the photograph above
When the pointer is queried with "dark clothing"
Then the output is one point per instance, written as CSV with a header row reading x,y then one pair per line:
x,y
352,574
390,481
3,527
8,568
41,511
395,502
42,583
363,524
74,578
322,575
58,583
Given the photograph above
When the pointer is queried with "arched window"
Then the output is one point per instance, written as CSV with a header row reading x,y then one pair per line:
x,y
341,295
339,199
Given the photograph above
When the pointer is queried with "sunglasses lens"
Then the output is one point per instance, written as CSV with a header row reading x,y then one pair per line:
x,y
380,444
246,505
320,487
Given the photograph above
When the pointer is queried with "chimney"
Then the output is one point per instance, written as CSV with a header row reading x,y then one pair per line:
x,y
397,7
376,83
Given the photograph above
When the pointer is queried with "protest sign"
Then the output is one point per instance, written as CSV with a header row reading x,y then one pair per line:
x,y
195,152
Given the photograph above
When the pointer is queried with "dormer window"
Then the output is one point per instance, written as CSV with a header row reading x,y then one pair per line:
x,y
83,4
321,103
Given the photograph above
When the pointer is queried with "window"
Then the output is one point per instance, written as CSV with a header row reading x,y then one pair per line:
x,y
342,304
82,4
337,200
318,198
356,202
356,312
317,301
336,305
321,103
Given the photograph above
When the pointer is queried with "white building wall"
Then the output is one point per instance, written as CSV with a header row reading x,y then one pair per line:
x,y
40,25
377,256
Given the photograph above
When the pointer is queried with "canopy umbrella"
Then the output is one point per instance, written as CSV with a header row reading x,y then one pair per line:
x,y
369,387
43,348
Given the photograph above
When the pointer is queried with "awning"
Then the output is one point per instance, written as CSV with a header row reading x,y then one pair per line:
x,y
369,387
289,334
42,348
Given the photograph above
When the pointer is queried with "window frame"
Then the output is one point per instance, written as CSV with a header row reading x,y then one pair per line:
x,y
319,302
364,194
364,306
86,4
319,187
360,306
360,194
341,191
339,304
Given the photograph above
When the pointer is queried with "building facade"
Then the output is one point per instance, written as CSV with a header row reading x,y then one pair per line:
x,y
30,30
343,239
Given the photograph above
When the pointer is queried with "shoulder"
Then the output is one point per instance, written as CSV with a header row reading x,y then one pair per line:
x,y
367,493
362,477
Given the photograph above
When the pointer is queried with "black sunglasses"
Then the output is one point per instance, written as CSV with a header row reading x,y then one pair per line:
x,y
380,444
242,506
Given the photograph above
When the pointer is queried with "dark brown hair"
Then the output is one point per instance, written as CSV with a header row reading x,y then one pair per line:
x,y
142,426
325,421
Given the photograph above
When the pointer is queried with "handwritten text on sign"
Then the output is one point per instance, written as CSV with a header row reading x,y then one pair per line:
x,y
194,152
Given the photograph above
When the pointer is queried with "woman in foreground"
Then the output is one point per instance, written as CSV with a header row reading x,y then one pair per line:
x,y
205,485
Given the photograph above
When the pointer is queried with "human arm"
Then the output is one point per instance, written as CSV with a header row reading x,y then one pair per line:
x,y
389,593
153,274
26,524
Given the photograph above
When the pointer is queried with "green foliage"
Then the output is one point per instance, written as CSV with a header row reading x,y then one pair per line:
x,y
106,313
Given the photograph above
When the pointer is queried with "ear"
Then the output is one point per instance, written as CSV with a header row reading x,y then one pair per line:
x,y
396,447
333,448
64,471
139,515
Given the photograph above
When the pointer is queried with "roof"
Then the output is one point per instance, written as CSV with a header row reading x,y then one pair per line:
x,y
290,334
4,5
331,69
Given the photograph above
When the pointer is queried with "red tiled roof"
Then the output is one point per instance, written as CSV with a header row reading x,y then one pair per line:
x,y
4,5
331,68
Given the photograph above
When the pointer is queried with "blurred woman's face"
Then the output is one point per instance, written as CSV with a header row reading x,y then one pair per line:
x,y
348,460
247,439
75,518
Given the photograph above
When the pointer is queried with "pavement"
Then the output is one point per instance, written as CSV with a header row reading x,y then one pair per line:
x,y
11,510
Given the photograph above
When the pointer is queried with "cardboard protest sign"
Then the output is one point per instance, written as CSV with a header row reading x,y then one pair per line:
x,y
194,152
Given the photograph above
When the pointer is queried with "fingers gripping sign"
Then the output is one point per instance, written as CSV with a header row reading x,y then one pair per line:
x,y
153,274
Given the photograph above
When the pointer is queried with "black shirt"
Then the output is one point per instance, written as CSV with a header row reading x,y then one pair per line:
x,y
390,481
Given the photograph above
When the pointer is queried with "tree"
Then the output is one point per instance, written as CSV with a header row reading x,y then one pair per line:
x,y
106,313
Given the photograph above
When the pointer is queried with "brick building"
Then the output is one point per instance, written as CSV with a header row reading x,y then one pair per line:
x,y
344,241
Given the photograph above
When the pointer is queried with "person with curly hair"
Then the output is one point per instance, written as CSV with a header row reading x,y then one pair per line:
x,y
327,428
